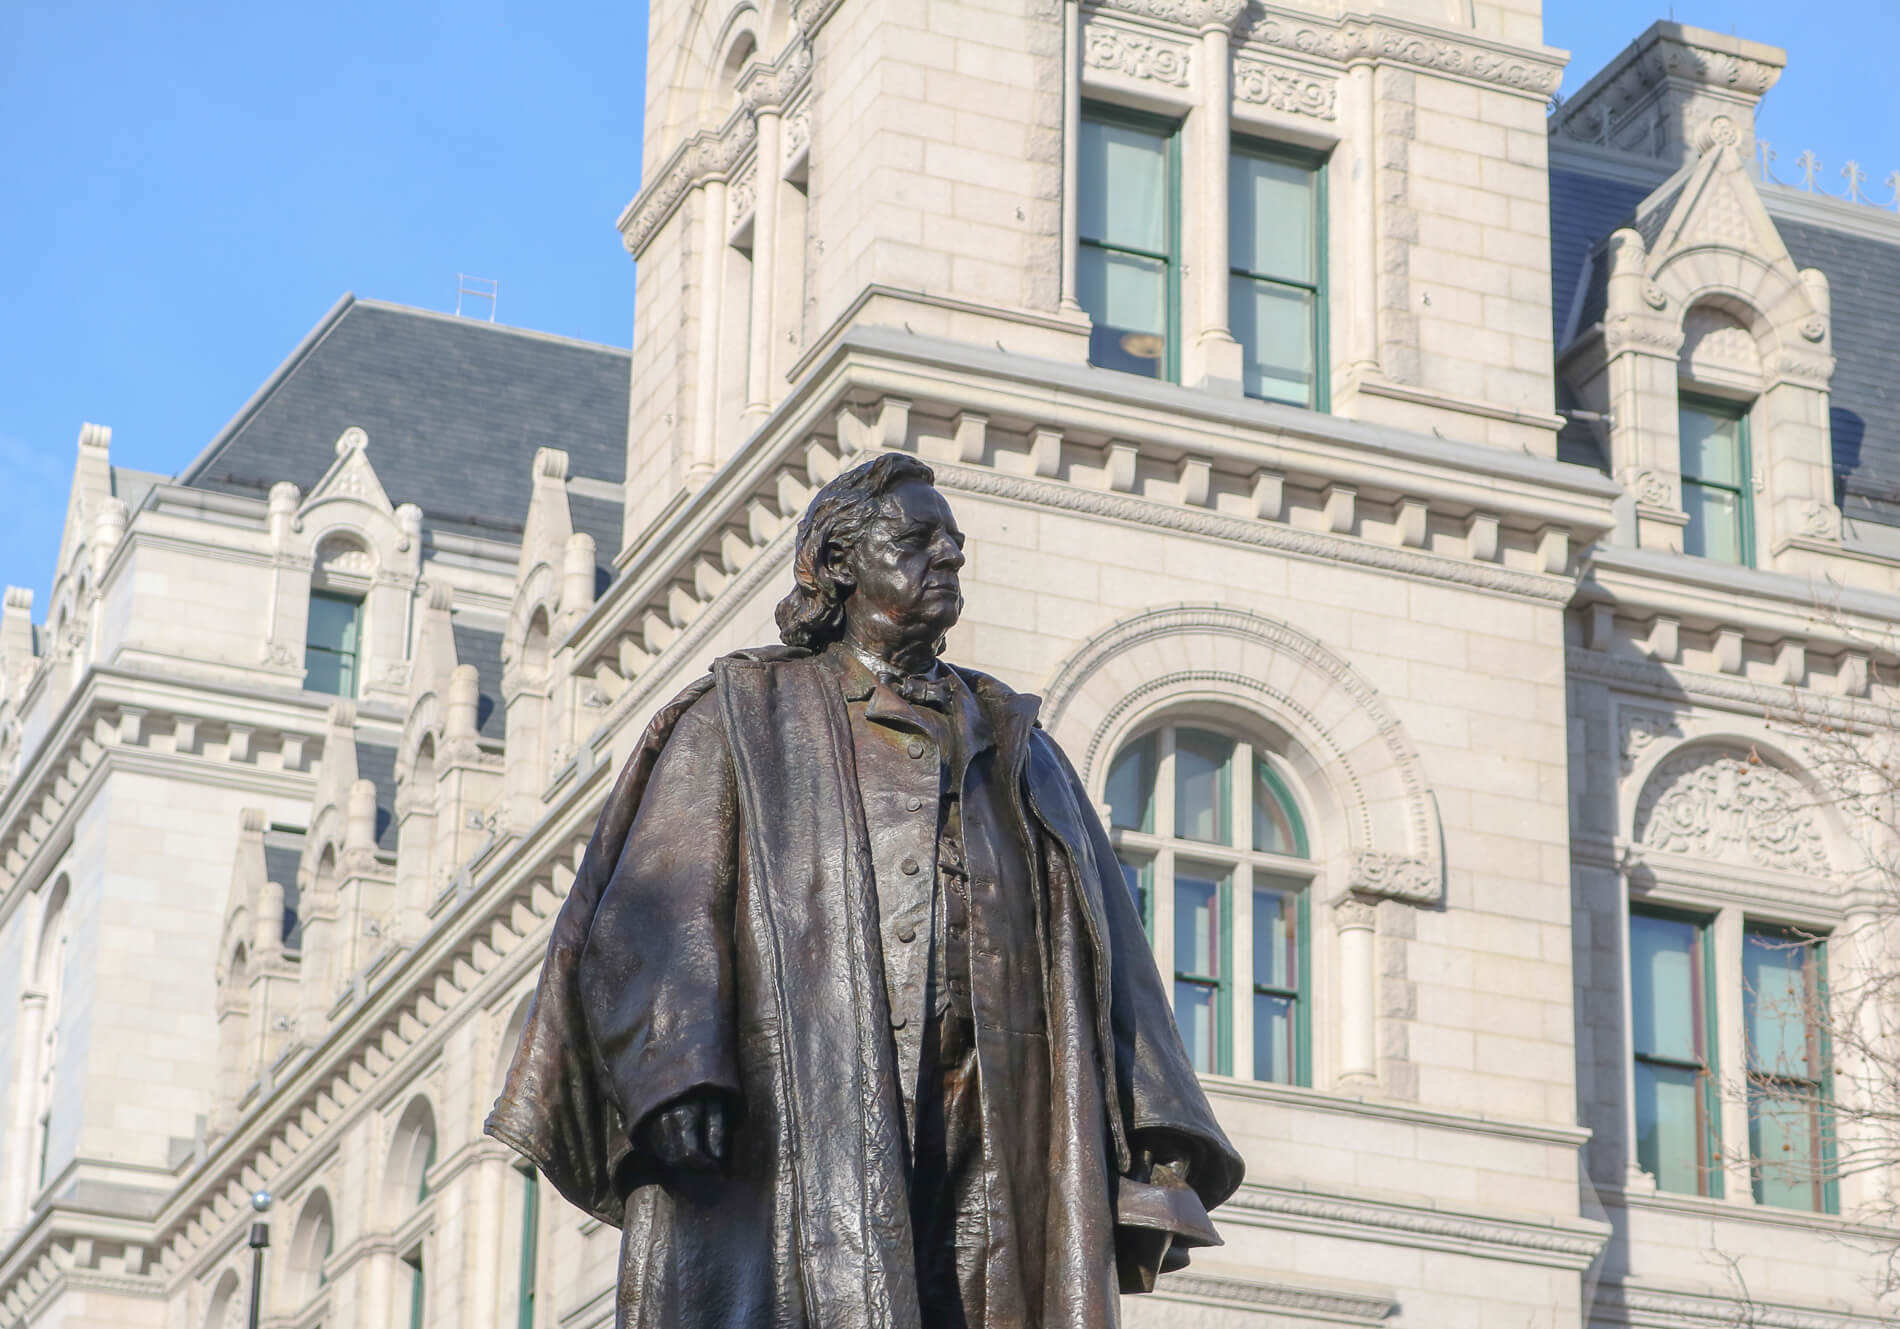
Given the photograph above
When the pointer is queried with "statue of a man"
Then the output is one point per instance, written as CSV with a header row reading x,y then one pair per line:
x,y
848,1020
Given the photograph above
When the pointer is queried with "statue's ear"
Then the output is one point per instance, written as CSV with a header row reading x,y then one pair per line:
x,y
834,566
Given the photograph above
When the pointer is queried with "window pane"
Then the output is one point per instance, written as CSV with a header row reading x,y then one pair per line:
x,y
1665,1003
1273,1038
1201,760
1197,939
1715,523
1668,1127
1194,1012
1711,446
1276,939
1135,877
1276,827
1271,230
1123,195
1781,1142
332,622
1131,787
1776,1005
326,671
1274,326
1127,299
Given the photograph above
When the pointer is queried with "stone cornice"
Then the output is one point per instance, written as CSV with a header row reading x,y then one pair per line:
x,y
1288,540
708,154
1570,1245
714,154
1670,1308
1263,1295
1358,38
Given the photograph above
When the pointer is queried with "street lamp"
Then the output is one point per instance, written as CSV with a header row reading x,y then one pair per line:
x,y
260,1239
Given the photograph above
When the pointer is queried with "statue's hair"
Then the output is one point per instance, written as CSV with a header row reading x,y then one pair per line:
x,y
812,616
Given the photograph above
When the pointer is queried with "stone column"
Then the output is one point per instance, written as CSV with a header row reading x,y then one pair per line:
x,y
1218,352
712,230
765,208
20,1154
1365,224
483,1264
1354,920
1071,149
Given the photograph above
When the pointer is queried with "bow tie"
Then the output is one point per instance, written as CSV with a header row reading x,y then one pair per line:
x,y
921,691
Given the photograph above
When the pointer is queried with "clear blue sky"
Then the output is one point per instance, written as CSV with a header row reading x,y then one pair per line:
x,y
186,188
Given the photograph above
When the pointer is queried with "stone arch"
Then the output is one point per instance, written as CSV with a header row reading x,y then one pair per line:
x,y
422,728
311,1240
539,596
344,550
1372,807
1737,800
411,1155
511,1035
221,1306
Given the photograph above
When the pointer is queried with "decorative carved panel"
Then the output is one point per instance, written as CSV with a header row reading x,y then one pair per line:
x,y
1724,807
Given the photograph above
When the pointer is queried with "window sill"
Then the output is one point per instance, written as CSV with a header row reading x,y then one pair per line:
x,y
1706,1207
1302,1097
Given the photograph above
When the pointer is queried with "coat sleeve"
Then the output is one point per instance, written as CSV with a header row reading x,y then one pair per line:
x,y
656,976
1161,1099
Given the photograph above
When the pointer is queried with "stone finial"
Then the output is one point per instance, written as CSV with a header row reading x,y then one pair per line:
x,y
95,437
550,464
353,439
577,574
360,822
464,704
252,821
1674,92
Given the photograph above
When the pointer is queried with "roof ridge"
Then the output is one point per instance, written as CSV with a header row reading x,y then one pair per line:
x,y
390,306
270,385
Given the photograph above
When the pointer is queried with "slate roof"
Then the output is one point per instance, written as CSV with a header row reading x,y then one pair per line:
x,y
377,764
1864,277
474,646
454,409
283,850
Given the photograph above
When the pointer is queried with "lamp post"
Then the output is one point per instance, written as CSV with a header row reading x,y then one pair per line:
x,y
260,1239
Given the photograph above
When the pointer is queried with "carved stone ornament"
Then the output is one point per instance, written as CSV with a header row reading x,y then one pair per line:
x,y
1394,876
1641,729
1137,56
1718,131
1813,327
1820,521
1721,807
1654,296
1285,90
1624,332
1650,486
703,155
1197,15
1387,42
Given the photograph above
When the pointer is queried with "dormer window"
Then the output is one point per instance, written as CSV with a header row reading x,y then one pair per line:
x,y
333,644
1715,480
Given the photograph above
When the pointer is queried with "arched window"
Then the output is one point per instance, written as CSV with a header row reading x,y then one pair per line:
x,y
49,976
220,1310
411,1155
1215,853
311,1242
1719,375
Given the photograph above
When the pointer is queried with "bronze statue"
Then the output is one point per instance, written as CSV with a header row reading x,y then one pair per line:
x,y
848,1021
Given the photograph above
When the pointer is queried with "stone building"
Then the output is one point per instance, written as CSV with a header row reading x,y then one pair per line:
x,y
1420,512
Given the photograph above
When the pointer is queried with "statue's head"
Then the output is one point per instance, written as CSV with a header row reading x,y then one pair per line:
x,y
878,551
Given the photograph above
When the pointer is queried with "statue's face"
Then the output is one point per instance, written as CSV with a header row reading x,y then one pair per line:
x,y
903,569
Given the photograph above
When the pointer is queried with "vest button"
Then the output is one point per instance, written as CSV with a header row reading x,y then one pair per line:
x,y
907,933
916,748
913,803
910,867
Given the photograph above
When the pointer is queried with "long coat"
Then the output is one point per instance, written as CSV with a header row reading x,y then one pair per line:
x,y
722,936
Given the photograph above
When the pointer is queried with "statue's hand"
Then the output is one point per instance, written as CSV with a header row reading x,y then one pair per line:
x,y
1154,1152
689,1133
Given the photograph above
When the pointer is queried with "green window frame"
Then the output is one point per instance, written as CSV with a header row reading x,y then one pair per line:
x,y
1272,266
1673,1041
1790,1073
1128,245
1717,479
530,1246
418,1289
333,636
1202,821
